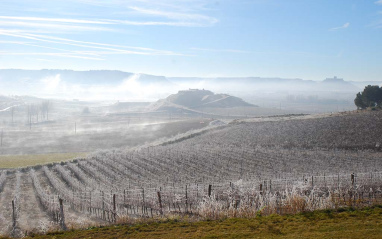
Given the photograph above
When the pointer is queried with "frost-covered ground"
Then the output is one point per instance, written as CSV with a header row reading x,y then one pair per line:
x,y
285,164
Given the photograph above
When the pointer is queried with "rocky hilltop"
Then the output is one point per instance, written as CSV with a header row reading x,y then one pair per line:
x,y
194,100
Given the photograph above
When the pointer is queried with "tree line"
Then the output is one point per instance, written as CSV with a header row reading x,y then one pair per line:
x,y
371,96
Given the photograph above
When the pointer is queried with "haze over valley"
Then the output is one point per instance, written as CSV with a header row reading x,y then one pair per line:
x,y
303,96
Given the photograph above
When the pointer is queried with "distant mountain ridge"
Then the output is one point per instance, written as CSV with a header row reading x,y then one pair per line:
x,y
259,83
79,77
77,84
110,76
119,85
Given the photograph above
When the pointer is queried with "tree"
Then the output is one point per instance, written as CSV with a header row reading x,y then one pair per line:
x,y
359,102
30,113
85,110
12,112
45,107
371,96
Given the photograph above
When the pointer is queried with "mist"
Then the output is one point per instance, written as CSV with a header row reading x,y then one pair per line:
x,y
112,86
61,111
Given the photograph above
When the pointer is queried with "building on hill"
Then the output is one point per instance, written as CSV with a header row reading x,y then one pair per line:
x,y
195,91
189,89
334,79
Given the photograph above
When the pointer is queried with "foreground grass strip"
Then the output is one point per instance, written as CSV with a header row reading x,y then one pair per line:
x,y
366,223
15,161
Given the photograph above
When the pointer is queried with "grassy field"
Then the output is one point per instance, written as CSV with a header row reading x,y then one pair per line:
x,y
15,161
89,134
365,223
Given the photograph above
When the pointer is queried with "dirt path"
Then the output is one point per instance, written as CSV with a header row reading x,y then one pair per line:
x,y
32,215
6,197
295,117
73,218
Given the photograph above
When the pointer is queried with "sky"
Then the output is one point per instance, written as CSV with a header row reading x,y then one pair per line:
x,y
306,39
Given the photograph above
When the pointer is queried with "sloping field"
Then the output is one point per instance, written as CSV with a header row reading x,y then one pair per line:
x,y
355,131
236,170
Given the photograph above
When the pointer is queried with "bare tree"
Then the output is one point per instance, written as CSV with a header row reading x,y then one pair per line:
x,y
12,112
45,108
29,114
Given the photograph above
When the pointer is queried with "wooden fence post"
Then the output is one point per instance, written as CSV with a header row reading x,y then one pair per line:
x,y
270,185
62,216
278,204
143,201
90,201
114,210
160,203
186,200
312,182
103,207
13,214
352,179
353,193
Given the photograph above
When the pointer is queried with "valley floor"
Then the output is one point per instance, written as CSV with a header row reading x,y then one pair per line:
x,y
365,223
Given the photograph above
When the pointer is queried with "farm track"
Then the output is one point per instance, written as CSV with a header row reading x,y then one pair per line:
x,y
71,216
6,197
32,215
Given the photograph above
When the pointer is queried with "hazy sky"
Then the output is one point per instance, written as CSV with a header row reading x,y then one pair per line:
x,y
308,39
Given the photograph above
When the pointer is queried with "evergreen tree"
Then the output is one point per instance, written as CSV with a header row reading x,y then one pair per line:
x,y
371,96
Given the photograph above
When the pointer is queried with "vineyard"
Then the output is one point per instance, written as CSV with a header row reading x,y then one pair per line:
x,y
237,170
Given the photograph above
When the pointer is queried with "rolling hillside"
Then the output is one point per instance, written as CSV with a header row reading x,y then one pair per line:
x,y
235,170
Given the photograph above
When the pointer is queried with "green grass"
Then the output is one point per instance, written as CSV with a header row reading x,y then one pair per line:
x,y
15,161
365,223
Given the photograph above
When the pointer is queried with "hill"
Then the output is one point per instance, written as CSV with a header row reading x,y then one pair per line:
x,y
194,100
337,84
